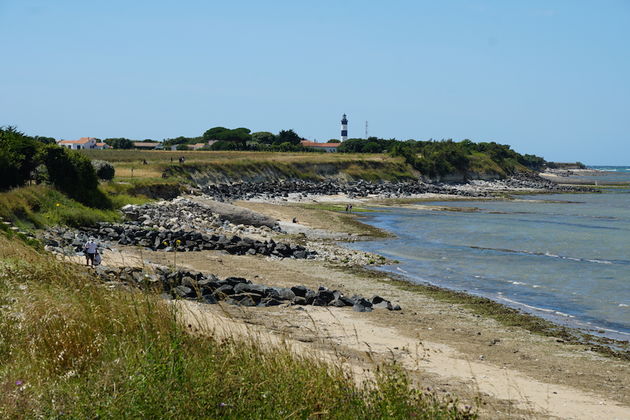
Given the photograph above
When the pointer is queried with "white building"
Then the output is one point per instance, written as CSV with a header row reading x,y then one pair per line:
x,y
83,143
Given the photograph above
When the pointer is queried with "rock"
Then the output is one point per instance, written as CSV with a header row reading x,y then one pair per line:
x,y
269,301
361,308
285,293
236,280
299,300
245,299
183,292
257,289
209,299
225,290
323,297
300,290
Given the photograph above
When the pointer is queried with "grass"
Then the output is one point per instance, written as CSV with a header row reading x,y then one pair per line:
x,y
71,348
40,206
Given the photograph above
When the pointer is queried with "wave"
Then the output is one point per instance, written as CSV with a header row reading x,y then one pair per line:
x,y
549,254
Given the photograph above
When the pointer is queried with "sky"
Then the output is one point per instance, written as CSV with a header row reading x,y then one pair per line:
x,y
551,78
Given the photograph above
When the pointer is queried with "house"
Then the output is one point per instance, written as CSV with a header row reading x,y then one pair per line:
x,y
83,143
327,147
145,145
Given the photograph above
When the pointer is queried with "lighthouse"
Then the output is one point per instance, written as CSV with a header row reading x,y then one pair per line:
x,y
344,128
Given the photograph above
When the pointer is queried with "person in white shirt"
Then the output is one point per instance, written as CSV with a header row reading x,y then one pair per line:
x,y
89,249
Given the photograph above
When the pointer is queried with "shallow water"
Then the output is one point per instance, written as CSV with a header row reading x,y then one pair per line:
x,y
565,256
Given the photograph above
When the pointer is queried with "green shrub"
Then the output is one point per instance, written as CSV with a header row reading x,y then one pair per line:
x,y
73,174
104,170
17,157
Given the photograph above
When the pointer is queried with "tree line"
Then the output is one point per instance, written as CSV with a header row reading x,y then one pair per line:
x,y
222,138
437,158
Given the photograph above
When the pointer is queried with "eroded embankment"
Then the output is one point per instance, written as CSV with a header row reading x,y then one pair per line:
x,y
204,173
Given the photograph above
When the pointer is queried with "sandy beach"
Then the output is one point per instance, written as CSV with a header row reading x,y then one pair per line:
x,y
443,345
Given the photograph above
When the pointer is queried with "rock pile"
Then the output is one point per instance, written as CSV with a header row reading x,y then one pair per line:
x,y
277,189
181,241
180,213
207,288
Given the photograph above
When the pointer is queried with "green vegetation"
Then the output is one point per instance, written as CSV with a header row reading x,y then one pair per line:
x,y
119,143
40,206
24,159
104,170
70,348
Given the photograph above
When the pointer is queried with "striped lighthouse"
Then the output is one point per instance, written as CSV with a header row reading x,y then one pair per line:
x,y
344,128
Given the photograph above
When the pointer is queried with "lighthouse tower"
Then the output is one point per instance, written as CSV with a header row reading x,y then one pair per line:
x,y
344,128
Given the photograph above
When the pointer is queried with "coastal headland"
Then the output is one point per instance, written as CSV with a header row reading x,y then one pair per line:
x,y
246,248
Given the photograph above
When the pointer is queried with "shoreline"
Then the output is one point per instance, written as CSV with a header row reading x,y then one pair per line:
x,y
581,330
450,341
610,344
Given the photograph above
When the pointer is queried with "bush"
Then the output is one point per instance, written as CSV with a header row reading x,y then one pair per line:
x,y
17,158
104,170
73,174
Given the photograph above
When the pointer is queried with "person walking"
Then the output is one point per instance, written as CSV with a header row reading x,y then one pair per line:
x,y
90,249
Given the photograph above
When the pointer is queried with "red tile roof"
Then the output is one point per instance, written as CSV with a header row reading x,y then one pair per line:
x,y
82,140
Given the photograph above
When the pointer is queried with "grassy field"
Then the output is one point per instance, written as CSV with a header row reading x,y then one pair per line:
x,y
236,165
70,348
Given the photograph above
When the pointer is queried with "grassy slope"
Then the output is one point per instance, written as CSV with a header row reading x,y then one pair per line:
x,y
70,348
40,206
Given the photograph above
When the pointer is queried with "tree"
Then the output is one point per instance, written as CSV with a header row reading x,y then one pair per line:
x,y
288,136
73,174
45,140
119,143
17,157
263,137
334,141
214,133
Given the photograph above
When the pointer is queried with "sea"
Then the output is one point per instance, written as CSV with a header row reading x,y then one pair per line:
x,y
565,257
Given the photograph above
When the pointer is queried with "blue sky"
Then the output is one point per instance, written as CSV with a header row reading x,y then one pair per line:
x,y
547,77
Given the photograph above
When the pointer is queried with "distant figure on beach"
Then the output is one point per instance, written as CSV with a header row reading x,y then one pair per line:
x,y
90,249
182,159
171,159
347,207
350,208
295,220
144,162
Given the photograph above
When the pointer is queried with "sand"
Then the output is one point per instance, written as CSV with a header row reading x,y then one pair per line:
x,y
442,345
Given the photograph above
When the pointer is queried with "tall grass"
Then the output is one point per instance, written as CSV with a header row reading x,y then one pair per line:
x,y
70,348
40,206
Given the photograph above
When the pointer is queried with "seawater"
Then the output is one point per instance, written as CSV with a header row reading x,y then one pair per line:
x,y
562,256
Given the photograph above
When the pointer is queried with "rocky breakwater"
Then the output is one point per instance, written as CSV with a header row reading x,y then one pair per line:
x,y
207,288
180,225
58,239
190,214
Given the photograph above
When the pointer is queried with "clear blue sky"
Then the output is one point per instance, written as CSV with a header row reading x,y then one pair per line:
x,y
547,77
